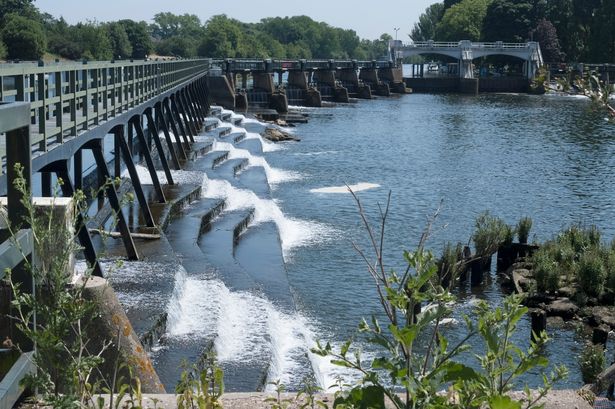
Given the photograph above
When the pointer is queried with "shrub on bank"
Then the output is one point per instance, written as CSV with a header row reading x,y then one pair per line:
x,y
546,270
591,273
490,233
523,229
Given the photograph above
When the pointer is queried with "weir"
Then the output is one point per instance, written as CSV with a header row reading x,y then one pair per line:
x,y
203,208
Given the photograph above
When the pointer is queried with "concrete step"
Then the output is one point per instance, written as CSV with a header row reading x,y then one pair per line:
x,y
255,179
218,246
234,137
184,233
236,120
252,145
228,170
259,252
208,161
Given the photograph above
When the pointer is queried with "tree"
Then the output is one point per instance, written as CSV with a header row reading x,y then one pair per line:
x,y
425,28
24,38
223,38
179,46
119,41
463,21
546,35
602,44
167,25
139,37
93,41
24,8
509,20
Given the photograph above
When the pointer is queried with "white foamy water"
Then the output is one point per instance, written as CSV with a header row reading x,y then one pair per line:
x,y
180,177
346,189
244,327
274,176
293,232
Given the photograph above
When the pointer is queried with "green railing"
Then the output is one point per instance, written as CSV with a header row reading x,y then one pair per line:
x,y
69,98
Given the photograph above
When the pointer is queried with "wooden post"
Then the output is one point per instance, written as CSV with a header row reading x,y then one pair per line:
x,y
539,323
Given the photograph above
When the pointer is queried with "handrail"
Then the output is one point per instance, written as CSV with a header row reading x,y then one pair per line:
x,y
440,44
68,98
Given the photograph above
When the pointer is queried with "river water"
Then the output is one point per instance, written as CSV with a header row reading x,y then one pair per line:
x,y
551,158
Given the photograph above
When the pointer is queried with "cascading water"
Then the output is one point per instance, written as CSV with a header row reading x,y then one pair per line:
x,y
245,327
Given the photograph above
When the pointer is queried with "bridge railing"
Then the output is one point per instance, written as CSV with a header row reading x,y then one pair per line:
x,y
69,98
440,44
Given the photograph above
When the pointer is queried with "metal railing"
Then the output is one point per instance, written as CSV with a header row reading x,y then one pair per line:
x,y
458,44
16,127
69,98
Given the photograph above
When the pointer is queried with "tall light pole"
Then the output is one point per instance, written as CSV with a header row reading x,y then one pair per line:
x,y
396,30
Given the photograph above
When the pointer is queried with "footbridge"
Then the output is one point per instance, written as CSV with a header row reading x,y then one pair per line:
x,y
466,52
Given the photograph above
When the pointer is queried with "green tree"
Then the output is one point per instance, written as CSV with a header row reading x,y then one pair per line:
x,y
138,35
602,44
119,41
24,37
463,21
93,41
179,46
168,25
509,20
3,51
223,38
425,28
24,8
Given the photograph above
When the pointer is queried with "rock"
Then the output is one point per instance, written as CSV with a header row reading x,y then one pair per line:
x,y
562,307
603,315
567,292
521,281
277,135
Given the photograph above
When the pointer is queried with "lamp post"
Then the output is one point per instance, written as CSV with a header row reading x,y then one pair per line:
x,y
396,30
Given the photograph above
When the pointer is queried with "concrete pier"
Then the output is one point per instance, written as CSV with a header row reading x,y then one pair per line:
x,y
350,79
326,78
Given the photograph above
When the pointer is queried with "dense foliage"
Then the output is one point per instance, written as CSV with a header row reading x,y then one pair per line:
x,y
173,35
571,30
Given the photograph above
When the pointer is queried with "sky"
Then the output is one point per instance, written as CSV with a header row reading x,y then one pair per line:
x,y
368,19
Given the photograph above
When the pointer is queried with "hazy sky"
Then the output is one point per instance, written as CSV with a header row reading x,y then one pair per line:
x,y
368,18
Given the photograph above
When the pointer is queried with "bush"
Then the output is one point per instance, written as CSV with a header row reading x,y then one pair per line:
x,y
448,264
609,265
490,233
591,273
523,229
546,270
591,362
24,38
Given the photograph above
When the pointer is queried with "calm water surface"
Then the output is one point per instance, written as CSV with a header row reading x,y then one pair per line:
x,y
551,158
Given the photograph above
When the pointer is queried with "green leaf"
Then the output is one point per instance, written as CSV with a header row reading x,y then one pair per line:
x,y
454,371
503,402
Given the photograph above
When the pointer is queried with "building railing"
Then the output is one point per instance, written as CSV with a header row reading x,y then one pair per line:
x,y
69,98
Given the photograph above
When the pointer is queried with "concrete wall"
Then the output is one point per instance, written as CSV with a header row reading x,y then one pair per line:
x,y
221,92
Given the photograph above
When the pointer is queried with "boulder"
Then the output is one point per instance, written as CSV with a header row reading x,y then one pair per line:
x,y
277,135
562,307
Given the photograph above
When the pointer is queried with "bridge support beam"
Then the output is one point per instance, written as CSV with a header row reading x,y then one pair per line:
x,y
114,200
327,78
370,77
350,76
174,124
68,190
298,80
155,135
162,125
134,176
395,78
136,124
